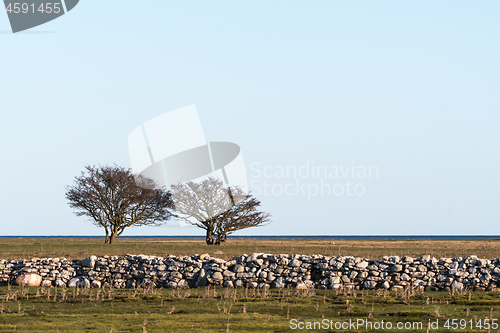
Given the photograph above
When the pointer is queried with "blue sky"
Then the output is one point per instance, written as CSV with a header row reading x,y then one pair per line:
x,y
408,87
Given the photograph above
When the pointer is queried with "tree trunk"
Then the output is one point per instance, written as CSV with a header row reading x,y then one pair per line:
x,y
221,238
106,240
210,237
112,238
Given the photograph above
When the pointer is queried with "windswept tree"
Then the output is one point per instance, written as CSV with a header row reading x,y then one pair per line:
x,y
114,198
217,209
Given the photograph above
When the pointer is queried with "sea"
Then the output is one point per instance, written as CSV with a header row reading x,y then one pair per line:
x,y
286,237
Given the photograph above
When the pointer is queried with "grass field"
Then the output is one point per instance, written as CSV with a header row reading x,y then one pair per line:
x,y
234,310
35,309
372,249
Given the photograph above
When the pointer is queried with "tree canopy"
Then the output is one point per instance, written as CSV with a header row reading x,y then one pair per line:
x,y
217,209
114,198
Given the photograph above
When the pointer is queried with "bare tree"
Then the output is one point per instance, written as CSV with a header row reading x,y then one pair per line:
x,y
217,209
242,215
114,198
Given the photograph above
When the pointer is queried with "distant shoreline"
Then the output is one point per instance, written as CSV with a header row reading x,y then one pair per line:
x,y
450,237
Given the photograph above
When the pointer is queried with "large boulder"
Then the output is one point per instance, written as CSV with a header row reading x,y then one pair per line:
x,y
89,262
79,282
31,280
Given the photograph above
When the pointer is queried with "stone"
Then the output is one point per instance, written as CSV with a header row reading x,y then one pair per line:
x,y
78,282
418,283
396,268
204,256
238,269
228,274
66,275
247,275
253,257
46,283
309,284
31,280
182,284
84,283
202,279
362,264
408,259
370,284
89,262
335,280
228,284
457,286
442,278
283,262
345,279
481,262
425,258
279,283
59,283
311,271
405,277
171,284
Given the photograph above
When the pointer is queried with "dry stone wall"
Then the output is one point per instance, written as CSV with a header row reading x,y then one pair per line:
x,y
256,271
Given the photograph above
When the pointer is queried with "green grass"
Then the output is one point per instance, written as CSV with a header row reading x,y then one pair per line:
x,y
35,309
